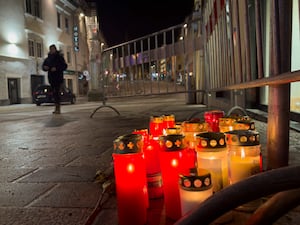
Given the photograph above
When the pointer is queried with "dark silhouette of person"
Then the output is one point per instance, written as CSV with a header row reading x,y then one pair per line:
x,y
55,65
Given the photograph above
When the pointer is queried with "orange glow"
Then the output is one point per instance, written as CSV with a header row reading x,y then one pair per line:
x,y
174,162
130,168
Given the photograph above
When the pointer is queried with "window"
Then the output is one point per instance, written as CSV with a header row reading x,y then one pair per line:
x,y
69,57
31,47
33,7
35,47
37,8
58,20
39,50
28,6
67,28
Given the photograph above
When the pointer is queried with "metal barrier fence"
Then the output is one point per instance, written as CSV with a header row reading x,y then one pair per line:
x,y
159,63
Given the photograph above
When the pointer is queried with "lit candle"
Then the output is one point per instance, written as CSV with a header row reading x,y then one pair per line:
x,y
190,129
244,158
244,154
212,118
226,124
195,188
156,126
130,177
154,179
168,122
172,164
244,125
212,155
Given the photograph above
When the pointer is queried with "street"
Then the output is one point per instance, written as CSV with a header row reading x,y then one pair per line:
x,y
48,162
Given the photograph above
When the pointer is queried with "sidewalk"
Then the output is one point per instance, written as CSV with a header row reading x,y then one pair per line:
x,y
48,162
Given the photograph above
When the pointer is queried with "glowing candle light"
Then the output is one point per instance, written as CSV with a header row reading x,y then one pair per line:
x,y
151,150
212,118
195,188
156,126
190,129
226,124
172,164
130,176
244,158
168,122
212,155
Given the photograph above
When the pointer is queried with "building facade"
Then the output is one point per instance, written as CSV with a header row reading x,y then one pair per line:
x,y
28,28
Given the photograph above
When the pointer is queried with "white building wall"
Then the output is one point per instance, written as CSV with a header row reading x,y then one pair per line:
x,y
17,27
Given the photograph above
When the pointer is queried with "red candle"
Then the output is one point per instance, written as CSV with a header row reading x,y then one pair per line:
x,y
130,176
151,152
156,126
168,122
172,164
212,118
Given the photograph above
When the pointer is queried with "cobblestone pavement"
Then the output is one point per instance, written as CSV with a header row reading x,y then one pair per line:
x,y
48,162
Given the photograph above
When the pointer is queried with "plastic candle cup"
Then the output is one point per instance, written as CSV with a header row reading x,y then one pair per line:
x,y
244,159
195,188
226,124
212,155
172,164
168,122
130,177
156,126
212,118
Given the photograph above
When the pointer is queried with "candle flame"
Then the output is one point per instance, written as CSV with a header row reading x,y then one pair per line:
x,y
174,162
243,153
130,168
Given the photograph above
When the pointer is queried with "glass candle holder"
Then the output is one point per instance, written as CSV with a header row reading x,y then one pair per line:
x,y
195,188
212,154
130,177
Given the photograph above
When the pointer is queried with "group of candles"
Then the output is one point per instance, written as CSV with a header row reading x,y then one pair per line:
x,y
184,163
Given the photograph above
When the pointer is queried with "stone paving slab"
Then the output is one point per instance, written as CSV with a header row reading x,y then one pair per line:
x,y
21,194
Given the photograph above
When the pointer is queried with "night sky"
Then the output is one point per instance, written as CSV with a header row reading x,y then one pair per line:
x,y
124,20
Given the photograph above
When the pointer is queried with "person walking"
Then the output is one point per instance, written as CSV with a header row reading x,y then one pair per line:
x,y
55,65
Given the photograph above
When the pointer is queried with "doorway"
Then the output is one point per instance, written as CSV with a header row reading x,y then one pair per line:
x,y
13,90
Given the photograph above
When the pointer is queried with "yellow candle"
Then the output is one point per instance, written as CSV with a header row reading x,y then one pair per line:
x,y
243,167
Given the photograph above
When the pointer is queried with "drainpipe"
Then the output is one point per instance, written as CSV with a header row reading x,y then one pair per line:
x,y
279,95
